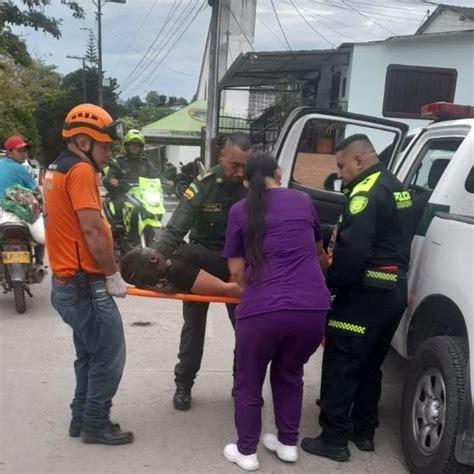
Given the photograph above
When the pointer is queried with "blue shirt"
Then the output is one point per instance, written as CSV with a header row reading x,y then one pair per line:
x,y
11,173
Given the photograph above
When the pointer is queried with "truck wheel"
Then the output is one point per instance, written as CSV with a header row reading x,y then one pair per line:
x,y
431,406
19,294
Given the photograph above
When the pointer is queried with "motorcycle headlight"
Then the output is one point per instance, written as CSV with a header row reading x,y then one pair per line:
x,y
154,199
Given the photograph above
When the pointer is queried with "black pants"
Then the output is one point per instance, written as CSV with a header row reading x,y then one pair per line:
x,y
193,332
358,334
191,346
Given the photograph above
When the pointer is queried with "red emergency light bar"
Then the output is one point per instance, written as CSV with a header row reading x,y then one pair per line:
x,y
447,110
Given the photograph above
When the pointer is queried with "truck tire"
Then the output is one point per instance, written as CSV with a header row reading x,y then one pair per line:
x,y
19,294
431,406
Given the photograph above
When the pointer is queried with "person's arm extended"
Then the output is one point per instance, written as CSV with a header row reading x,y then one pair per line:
x,y
322,257
237,270
180,223
207,284
92,226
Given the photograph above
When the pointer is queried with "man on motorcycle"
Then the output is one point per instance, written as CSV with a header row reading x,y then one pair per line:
x,y
127,169
12,172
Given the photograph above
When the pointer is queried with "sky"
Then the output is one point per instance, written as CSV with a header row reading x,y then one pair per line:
x,y
172,64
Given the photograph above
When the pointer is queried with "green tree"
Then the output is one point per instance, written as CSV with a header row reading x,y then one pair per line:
x,y
153,98
31,15
149,114
133,105
91,55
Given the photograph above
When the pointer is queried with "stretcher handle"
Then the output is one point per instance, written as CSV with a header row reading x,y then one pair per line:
x,y
182,296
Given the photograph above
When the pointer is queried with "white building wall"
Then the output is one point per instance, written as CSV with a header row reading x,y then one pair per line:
x,y
449,21
370,61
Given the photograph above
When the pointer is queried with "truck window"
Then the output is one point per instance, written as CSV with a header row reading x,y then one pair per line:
x,y
431,164
315,164
469,184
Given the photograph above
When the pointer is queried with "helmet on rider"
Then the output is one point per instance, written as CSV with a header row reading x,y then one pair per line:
x,y
134,142
94,122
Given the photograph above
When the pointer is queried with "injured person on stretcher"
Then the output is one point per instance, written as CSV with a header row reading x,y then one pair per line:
x,y
192,268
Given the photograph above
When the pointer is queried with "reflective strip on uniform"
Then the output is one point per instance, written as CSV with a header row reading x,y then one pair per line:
x,y
355,328
382,275
366,185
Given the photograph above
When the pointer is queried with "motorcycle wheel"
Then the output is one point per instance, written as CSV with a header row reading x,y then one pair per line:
x,y
19,294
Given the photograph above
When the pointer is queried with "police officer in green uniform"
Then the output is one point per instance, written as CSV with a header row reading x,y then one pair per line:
x,y
203,212
368,278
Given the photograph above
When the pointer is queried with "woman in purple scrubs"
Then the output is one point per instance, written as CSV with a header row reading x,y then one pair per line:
x,y
273,241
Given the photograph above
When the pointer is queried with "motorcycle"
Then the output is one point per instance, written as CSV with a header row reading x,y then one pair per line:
x,y
188,173
17,270
138,222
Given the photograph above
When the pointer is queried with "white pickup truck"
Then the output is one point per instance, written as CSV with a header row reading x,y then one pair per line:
x,y
437,330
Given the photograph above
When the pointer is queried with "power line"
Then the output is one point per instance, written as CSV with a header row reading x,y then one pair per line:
x,y
310,25
270,30
388,7
239,25
137,51
281,27
345,24
368,18
173,46
330,28
163,26
170,35
136,32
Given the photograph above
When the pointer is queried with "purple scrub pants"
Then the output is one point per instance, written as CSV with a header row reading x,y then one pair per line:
x,y
287,339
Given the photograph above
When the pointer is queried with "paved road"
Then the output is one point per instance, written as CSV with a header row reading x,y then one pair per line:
x,y
36,381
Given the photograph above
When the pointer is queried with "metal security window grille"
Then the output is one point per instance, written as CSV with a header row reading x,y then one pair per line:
x,y
408,88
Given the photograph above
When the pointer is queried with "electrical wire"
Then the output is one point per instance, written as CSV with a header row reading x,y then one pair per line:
x,y
388,7
171,35
137,51
173,46
330,28
136,33
271,31
165,37
239,25
163,26
164,41
368,18
281,27
310,25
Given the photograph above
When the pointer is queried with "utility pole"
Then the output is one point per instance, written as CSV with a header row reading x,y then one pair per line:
x,y
212,89
84,76
99,4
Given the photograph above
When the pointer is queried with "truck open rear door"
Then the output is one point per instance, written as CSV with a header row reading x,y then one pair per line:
x,y
306,153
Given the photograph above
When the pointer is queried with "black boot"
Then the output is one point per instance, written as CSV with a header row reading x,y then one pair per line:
x,y
318,447
182,399
106,436
75,427
363,443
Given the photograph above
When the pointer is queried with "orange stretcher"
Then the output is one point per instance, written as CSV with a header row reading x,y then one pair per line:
x,y
182,296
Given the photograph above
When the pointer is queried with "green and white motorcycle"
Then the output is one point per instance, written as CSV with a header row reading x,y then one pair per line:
x,y
137,221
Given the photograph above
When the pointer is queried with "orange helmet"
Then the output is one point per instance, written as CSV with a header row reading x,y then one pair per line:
x,y
91,120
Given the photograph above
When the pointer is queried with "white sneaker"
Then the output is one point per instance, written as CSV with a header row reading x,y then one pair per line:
x,y
284,452
248,462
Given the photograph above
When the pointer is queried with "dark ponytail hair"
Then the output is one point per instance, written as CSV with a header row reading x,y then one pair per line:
x,y
258,167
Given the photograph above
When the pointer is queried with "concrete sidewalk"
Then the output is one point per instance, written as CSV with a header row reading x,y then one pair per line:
x,y
36,380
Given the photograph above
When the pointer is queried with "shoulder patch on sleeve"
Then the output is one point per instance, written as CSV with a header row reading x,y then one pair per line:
x,y
190,192
206,175
358,204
